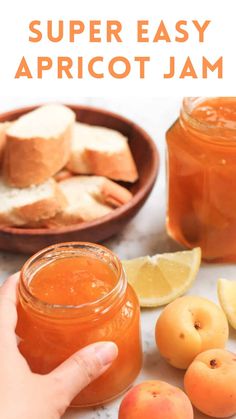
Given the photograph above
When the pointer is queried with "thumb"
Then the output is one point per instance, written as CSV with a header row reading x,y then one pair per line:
x,y
83,367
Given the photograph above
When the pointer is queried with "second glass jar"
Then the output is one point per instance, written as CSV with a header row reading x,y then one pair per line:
x,y
201,169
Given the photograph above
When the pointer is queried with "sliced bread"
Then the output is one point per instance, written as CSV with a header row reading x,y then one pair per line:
x,y
82,205
38,145
62,175
102,189
101,151
3,128
29,206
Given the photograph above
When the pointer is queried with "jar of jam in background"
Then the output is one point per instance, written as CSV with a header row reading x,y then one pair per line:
x,y
71,295
201,169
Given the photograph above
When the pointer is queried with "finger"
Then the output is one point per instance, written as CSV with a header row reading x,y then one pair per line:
x,y
83,367
8,312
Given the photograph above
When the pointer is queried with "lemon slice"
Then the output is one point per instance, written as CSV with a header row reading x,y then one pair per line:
x,y
160,279
227,297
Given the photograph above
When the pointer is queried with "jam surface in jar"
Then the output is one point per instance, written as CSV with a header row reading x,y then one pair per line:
x,y
78,280
217,112
202,177
68,301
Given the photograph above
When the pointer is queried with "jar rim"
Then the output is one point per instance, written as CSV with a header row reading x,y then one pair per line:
x,y
97,306
188,104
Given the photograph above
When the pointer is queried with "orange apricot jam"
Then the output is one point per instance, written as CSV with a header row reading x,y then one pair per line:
x,y
71,295
202,177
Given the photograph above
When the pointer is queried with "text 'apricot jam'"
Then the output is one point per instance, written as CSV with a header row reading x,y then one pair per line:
x,y
71,295
202,177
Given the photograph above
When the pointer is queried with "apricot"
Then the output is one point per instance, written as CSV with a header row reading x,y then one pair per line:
x,y
155,399
210,383
190,325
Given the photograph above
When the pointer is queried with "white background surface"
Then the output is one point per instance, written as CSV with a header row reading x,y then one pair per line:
x,y
144,235
15,17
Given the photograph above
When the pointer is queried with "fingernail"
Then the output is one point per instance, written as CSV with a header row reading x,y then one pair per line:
x,y
106,352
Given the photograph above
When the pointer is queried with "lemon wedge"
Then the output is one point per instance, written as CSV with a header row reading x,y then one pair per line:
x,y
159,279
227,297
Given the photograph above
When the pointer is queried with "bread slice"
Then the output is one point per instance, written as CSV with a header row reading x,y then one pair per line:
x,y
101,151
82,205
62,175
3,128
102,189
38,145
28,206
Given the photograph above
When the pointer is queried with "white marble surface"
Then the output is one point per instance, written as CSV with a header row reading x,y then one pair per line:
x,y
144,235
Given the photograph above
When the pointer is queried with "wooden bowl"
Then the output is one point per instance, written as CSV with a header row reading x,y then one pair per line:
x,y
25,240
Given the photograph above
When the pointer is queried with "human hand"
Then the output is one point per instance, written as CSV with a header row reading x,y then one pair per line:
x,y
25,395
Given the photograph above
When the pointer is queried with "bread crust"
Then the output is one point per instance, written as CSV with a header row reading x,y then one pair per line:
x,y
113,194
62,175
31,215
43,209
32,161
98,197
89,212
61,220
88,158
3,128
117,166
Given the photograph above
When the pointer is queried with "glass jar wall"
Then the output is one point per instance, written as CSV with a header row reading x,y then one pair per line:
x,y
71,295
201,168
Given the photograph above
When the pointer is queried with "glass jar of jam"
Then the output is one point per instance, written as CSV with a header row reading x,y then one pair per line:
x,y
202,177
71,295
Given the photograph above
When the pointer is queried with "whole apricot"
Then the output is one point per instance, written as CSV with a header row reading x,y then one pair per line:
x,y
188,326
210,383
155,399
